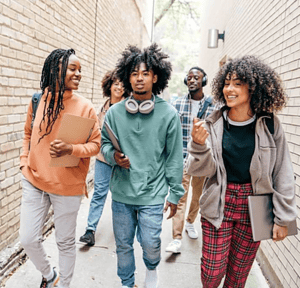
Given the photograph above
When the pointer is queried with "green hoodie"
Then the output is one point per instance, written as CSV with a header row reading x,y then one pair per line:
x,y
153,143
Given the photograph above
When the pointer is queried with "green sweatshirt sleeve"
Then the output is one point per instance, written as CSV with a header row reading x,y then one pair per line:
x,y
107,148
174,160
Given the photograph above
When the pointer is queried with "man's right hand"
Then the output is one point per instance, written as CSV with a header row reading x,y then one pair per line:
x,y
122,160
173,209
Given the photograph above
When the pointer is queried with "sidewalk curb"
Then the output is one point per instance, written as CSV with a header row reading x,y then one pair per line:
x,y
267,270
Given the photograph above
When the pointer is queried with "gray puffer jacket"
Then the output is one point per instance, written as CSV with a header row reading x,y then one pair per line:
x,y
270,169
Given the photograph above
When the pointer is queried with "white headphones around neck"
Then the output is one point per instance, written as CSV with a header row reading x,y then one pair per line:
x,y
145,107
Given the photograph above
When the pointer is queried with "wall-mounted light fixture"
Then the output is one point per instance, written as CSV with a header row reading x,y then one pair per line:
x,y
213,37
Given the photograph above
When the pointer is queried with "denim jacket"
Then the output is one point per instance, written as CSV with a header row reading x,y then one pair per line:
x,y
270,169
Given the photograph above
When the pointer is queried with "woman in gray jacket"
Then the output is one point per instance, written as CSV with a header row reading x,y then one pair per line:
x,y
242,150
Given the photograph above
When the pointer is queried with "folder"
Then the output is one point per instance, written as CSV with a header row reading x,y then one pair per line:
x,y
112,136
73,130
262,217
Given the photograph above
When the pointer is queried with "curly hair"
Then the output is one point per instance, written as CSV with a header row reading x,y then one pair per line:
x,y
109,78
49,79
154,60
265,86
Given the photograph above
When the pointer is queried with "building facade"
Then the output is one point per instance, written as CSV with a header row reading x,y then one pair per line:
x,y
268,29
98,30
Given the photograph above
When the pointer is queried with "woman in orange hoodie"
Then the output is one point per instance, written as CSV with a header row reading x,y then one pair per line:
x,y
62,187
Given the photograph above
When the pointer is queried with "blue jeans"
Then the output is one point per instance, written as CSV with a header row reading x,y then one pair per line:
x,y
146,222
101,187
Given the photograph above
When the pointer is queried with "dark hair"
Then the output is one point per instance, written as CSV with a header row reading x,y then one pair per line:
x,y
49,79
265,86
198,68
109,78
154,60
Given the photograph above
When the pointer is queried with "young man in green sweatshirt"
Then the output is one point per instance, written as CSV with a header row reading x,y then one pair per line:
x,y
150,163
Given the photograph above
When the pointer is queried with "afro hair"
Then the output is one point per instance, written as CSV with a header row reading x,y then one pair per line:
x,y
154,60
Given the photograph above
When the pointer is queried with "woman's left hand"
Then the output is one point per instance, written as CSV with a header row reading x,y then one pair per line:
x,y
279,232
58,148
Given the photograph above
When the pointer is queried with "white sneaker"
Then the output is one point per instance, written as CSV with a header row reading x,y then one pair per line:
x,y
174,246
190,229
151,279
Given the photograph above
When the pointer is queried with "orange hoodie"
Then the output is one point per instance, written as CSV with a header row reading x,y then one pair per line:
x,y
35,161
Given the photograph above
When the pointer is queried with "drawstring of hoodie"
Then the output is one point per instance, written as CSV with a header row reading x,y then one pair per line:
x,y
42,197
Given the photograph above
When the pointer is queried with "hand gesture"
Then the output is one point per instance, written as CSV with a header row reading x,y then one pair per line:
x,y
279,232
199,133
173,209
58,148
122,160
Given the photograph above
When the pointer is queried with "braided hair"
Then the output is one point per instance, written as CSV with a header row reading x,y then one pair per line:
x,y
53,74
154,60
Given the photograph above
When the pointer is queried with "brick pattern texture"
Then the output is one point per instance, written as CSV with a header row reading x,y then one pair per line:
x,y
270,30
98,30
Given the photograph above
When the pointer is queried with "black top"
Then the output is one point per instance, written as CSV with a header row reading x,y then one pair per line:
x,y
238,147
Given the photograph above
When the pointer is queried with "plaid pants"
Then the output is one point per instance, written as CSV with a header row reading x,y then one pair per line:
x,y
229,250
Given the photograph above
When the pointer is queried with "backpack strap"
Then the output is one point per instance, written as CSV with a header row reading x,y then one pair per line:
x,y
36,98
270,123
207,102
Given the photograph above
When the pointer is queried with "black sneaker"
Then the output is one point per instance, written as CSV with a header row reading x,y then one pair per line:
x,y
88,238
51,283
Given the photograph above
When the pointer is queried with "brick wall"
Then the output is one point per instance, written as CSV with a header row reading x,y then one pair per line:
x,y
98,30
269,29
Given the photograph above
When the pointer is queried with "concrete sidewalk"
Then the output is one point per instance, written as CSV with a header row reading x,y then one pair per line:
x,y
96,266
